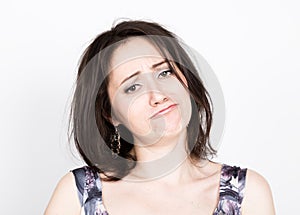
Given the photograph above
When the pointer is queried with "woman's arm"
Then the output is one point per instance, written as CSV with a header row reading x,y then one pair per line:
x,y
64,200
258,198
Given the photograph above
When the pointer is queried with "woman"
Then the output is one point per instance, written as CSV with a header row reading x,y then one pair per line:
x,y
141,120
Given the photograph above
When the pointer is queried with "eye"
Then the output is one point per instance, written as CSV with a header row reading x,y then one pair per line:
x,y
132,88
165,73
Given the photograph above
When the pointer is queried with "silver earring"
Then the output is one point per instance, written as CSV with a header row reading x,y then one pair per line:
x,y
115,144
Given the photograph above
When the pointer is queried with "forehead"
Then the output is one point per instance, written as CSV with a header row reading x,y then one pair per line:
x,y
134,48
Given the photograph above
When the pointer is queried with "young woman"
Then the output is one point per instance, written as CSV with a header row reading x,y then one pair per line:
x,y
141,120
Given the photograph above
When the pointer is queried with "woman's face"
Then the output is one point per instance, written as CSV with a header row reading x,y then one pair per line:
x,y
146,96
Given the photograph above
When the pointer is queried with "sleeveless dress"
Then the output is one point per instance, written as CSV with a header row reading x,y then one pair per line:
x,y
231,191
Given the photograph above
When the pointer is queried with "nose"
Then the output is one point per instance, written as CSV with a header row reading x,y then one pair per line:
x,y
157,98
155,90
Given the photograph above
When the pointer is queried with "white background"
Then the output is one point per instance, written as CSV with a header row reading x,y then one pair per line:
x,y
252,46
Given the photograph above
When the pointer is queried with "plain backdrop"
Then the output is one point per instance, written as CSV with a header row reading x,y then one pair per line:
x,y
252,46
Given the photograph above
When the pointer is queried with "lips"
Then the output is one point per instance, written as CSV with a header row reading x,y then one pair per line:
x,y
164,111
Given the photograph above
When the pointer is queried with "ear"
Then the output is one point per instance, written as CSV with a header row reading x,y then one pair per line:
x,y
114,121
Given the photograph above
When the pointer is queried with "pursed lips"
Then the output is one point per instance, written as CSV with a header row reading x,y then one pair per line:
x,y
163,111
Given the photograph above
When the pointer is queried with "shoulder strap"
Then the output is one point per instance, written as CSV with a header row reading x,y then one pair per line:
x,y
79,175
232,184
241,183
89,190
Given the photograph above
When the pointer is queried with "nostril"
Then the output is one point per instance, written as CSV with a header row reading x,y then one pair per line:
x,y
159,101
157,98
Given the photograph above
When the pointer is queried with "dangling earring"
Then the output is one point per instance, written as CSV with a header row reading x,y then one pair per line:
x,y
115,144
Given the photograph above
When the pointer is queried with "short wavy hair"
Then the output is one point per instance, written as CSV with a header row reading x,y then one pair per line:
x,y
90,126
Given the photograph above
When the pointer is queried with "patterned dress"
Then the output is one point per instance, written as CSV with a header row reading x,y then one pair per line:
x,y
231,191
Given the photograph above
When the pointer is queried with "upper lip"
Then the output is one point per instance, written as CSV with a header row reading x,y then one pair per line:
x,y
161,110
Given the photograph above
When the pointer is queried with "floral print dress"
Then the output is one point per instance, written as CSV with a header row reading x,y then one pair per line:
x,y
231,191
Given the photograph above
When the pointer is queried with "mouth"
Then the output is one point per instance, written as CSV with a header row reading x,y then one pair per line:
x,y
164,111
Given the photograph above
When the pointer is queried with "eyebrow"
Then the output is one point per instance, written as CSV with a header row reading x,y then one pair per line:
x,y
138,72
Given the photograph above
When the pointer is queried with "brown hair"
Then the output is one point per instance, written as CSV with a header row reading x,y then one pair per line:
x,y
90,114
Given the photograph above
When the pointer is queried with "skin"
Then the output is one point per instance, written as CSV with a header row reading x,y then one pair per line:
x,y
137,100
189,188
257,201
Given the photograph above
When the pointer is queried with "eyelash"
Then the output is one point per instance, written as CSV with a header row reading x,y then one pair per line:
x,y
133,87
130,89
169,71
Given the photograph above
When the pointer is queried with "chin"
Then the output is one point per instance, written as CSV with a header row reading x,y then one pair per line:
x,y
173,129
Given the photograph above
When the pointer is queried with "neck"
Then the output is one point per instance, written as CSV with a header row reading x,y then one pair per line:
x,y
171,145
170,172
165,160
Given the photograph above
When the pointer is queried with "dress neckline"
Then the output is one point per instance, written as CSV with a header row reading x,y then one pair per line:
x,y
220,172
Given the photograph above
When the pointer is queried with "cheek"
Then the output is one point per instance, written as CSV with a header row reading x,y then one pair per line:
x,y
175,89
119,108
138,117
178,93
132,114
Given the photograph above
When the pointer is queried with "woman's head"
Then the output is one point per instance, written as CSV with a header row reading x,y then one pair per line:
x,y
139,78
145,95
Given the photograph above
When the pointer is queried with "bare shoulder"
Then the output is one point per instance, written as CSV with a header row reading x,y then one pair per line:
x,y
64,199
258,195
